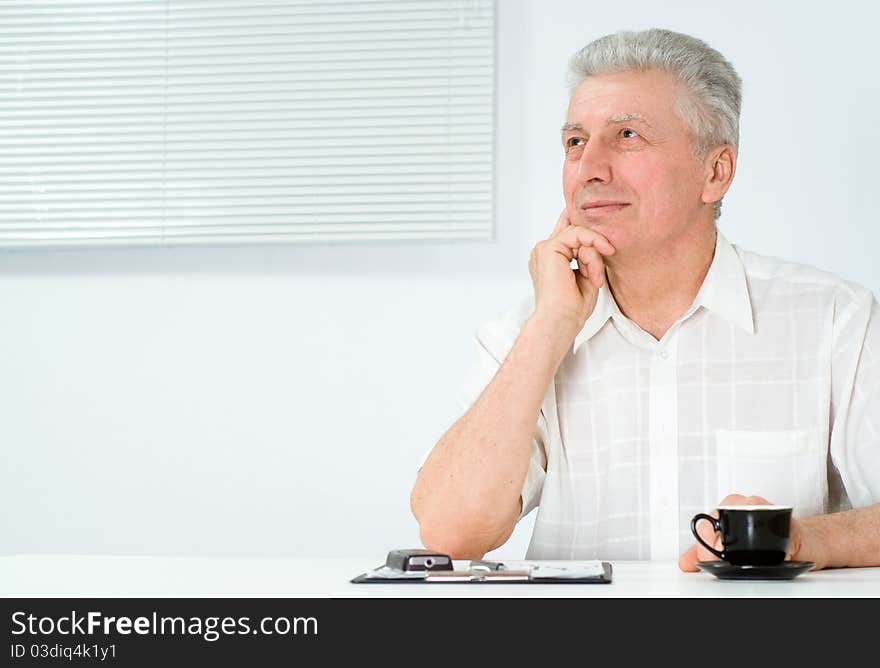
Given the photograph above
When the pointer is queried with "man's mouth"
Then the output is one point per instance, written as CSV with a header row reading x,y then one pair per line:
x,y
602,207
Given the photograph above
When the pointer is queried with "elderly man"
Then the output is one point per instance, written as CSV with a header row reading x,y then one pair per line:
x,y
659,370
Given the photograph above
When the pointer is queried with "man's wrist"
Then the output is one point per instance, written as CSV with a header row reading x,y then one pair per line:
x,y
809,543
560,330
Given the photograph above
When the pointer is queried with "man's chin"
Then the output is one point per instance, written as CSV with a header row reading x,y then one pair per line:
x,y
592,224
615,217
607,228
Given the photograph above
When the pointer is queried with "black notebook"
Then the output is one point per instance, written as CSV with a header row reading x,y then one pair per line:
x,y
496,572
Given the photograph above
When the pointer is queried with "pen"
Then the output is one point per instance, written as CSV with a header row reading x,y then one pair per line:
x,y
487,565
477,575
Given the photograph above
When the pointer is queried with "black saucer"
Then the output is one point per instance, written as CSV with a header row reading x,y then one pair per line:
x,y
787,570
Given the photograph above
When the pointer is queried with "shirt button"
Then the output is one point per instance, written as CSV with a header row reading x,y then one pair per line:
x,y
664,355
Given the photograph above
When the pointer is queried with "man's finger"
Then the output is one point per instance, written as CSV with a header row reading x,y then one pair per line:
x,y
585,285
734,500
708,534
561,223
688,560
574,236
590,265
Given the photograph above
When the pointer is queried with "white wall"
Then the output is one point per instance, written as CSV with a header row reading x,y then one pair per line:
x,y
276,401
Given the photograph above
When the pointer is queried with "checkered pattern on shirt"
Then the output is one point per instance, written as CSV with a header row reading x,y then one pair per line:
x,y
769,388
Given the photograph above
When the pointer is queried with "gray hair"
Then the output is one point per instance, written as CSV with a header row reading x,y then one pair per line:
x,y
712,106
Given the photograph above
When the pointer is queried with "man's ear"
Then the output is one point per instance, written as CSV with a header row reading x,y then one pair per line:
x,y
719,168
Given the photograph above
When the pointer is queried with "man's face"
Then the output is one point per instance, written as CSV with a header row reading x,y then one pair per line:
x,y
629,171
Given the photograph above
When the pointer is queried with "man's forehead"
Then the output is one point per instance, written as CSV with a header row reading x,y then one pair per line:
x,y
649,97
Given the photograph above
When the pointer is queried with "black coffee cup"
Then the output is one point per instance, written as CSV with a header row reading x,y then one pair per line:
x,y
751,535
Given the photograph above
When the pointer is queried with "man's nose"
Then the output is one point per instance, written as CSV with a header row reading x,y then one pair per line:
x,y
594,163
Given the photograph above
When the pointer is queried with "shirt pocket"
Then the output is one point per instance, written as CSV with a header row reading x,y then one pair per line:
x,y
786,467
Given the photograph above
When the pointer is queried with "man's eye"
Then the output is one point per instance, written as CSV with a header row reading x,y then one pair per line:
x,y
573,142
626,133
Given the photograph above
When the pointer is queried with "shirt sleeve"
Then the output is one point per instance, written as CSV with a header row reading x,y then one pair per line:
x,y
855,399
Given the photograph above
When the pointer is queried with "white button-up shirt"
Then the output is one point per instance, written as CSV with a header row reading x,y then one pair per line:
x,y
769,385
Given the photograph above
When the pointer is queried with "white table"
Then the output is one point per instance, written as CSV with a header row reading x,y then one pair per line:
x,y
34,576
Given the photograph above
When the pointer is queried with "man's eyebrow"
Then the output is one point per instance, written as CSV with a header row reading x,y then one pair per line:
x,y
617,118
626,118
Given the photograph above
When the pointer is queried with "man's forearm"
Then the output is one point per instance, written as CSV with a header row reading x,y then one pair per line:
x,y
467,492
850,538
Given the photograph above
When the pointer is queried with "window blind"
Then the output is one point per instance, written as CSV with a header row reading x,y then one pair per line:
x,y
211,121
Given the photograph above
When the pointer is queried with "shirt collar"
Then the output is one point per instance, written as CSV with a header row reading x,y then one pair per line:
x,y
724,291
605,308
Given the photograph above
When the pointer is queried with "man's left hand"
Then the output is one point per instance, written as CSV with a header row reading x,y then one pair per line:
x,y
696,552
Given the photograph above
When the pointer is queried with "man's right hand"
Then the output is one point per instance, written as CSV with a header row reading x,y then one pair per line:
x,y
468,494
563,293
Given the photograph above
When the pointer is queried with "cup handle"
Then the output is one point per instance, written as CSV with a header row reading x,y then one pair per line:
x,y
715,524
